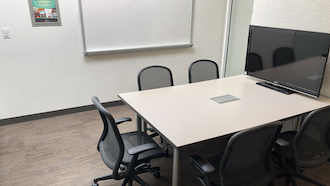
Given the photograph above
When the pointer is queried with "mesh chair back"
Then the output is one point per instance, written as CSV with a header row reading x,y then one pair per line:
x,y
283,56
110,145
246,160
154,77
203,70
312,140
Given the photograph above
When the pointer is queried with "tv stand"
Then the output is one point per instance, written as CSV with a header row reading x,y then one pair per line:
x,y
274,87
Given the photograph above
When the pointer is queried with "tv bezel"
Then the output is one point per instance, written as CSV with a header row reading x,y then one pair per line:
x,y
282,84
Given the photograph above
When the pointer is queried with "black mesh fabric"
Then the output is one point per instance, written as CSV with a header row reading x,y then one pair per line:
x,y
110,145
313,147
249,161
113,148
203,70
109,148
154,77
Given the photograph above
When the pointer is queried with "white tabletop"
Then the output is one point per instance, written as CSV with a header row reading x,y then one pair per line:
x,y
185,114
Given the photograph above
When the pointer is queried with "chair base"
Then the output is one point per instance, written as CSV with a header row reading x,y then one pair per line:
x,y
108,177
129,179
290,176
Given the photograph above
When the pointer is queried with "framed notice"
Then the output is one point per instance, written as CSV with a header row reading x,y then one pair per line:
x,y
45,13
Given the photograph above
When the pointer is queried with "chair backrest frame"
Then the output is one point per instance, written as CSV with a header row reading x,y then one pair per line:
x,y
304,126
165,69
198,61
110,124
277,128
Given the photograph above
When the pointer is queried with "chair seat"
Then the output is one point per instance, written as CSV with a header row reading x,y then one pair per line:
x,y
133,139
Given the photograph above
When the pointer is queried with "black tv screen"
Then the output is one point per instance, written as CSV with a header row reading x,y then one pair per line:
x,y
290,59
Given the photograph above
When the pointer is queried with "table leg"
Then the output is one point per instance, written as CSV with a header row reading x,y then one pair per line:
x,y
141,125
144,126
176,167
138,123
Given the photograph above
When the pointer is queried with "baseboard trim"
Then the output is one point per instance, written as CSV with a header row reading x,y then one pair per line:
x,y
56,113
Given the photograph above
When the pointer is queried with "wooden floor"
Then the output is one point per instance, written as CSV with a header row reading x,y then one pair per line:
x,y
62,151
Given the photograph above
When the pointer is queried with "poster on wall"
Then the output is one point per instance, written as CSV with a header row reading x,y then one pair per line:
x,y
45,13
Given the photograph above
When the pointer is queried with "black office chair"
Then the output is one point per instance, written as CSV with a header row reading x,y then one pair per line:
x,y
283,56
152,77
202,70
127,154
246,159
307,148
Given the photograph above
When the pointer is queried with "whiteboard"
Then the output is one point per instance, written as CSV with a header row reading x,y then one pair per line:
x,y
112,26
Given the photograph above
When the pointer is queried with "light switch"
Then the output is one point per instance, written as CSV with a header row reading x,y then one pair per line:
x,y
5,33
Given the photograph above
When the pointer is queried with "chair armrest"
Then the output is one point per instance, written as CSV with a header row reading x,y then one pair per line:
x,y
142,148
202,163
121,120
281,142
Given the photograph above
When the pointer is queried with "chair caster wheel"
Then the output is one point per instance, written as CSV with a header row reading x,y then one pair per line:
x,y
157,174
95,184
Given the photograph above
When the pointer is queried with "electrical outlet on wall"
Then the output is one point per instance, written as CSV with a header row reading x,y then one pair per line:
x,y
5,33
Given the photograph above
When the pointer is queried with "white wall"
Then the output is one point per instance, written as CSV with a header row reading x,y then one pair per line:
x,y
43,68
296,14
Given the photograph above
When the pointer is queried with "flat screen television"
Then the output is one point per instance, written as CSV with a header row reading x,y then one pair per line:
x,y
288,60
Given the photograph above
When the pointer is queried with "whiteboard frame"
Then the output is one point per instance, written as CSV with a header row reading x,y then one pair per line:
x,y
134,49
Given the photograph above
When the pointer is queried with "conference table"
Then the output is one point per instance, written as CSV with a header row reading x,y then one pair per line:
x,y
191,113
